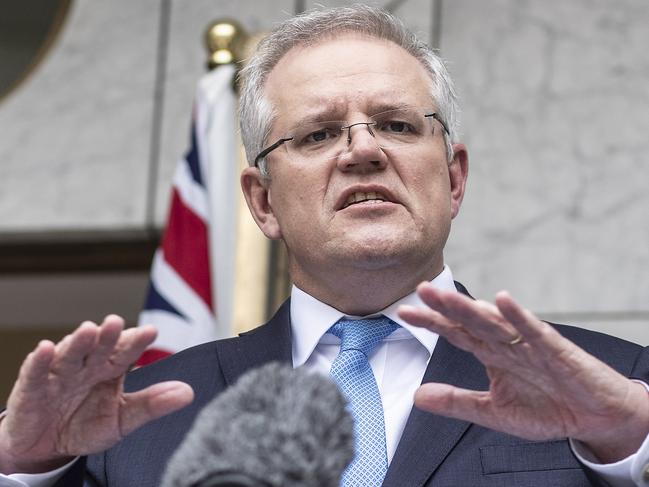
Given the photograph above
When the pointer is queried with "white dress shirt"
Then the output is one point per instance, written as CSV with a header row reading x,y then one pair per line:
x,y
398,363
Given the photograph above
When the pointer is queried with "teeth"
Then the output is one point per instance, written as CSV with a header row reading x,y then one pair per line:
x,y
359,197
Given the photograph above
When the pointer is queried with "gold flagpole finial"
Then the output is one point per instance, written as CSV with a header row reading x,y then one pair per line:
x,y
225,40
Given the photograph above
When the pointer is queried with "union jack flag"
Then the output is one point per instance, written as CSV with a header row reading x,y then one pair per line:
x,y
187,301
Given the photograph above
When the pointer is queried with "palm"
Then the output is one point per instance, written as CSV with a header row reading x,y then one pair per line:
x,y
69,399
541,387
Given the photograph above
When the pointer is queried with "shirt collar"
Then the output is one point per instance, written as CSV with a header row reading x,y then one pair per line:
x,y
310,319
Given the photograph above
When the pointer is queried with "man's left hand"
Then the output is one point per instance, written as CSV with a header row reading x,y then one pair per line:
x,y
542,386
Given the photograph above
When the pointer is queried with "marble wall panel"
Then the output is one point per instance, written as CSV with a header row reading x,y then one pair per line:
x,y
555,117
418,15
75,137
186,60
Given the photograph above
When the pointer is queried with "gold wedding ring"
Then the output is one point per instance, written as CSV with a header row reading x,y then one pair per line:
x,y
517,339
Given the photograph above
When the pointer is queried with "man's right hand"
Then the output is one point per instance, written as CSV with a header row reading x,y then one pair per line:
x,y
69,398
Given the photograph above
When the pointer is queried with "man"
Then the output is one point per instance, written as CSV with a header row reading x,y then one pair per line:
x,y
364,205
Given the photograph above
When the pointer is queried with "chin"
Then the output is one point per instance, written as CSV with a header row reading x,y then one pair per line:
x,y
377,254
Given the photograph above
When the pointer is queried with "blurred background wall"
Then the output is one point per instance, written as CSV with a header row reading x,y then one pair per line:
x,y
555,115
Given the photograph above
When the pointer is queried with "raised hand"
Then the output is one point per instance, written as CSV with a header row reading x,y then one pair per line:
x,y
542,385
69,399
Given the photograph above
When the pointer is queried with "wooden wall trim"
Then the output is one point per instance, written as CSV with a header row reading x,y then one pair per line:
x,y
96,251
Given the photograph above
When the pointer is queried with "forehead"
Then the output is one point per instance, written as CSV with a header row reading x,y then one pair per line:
x,y
347,74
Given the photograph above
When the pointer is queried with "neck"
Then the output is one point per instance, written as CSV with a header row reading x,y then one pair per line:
x,y
362,292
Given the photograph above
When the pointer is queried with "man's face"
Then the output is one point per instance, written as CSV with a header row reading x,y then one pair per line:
x,y
351,78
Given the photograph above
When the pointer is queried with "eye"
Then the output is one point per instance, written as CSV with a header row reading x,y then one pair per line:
x,y
396,127
318,135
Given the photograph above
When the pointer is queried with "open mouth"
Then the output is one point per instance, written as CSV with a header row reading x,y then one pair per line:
x,y
370,197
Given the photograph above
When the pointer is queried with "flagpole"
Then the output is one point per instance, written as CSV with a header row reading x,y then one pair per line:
x,y
227,43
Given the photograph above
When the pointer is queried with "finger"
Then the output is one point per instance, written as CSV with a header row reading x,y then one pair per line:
x,y
436,322
529,326
481,319
471,406
453,402
560,356
109,333
30,387
35,369
153,402
132,342
70,353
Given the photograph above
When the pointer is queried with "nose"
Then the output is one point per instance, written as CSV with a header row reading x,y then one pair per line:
x,y
363,153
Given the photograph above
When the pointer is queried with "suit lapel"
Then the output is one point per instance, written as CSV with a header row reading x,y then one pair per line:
x,y
427,438
268,343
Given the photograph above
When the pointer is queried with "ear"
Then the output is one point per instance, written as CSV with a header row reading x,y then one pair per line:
x,y
257,193
458,170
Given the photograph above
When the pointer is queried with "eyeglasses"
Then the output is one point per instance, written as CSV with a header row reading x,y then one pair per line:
x,y
321,141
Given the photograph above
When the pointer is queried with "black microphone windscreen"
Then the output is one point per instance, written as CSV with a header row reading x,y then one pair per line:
x,y
276,427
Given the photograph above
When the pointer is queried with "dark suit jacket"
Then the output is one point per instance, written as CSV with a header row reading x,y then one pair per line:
x,y
433,451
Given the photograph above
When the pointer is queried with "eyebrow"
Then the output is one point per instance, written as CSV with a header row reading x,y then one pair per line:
x,y
322,112
384,107
328,114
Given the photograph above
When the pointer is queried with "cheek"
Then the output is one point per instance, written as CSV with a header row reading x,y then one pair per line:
x,y
298,198
432,187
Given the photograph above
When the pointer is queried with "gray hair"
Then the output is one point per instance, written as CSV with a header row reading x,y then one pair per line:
x,y
256,114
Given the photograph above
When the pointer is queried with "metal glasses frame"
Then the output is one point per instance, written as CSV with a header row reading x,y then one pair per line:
x,y
282,141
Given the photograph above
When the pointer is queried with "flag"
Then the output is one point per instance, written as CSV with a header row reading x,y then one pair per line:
x,y
189,299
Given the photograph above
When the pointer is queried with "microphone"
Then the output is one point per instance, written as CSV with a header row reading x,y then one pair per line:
x,y
276,427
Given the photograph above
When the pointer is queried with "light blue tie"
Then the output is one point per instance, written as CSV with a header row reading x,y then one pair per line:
x,y
353,374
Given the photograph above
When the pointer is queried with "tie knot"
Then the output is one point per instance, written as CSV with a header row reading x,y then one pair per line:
x,y
362,335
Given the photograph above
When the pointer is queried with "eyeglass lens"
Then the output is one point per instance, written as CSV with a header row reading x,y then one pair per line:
x,y
390,129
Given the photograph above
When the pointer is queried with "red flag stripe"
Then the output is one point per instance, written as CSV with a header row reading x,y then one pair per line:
x,y
185,248
151,355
